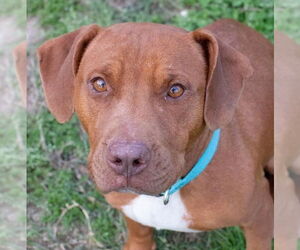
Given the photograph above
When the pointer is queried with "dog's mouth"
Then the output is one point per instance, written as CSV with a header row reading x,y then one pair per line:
x,y
130,190
134,185
145,190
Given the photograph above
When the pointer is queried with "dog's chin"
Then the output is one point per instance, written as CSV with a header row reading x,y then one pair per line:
x,y
128,189
136,191
131,185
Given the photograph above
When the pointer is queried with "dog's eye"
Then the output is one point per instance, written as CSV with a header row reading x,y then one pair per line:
x,y
99,84
176,91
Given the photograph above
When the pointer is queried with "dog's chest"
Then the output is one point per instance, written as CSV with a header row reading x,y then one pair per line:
x,y
151,211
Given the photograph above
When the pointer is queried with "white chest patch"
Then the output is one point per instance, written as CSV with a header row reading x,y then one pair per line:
x,y
151,211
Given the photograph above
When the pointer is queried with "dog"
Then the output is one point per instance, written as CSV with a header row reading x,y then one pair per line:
x,y
157,102
287,142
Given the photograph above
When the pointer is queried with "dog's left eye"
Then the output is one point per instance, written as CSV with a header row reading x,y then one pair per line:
x,y
176,90
99,84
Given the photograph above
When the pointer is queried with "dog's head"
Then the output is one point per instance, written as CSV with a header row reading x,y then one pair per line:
x,y
146,94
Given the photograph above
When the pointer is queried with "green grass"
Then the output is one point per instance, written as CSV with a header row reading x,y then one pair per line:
x,y
63,16
12,154
12,180
287,19
14,9
57,153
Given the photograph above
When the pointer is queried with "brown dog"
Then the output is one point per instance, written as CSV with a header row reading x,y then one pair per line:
x,y
149,97
287,142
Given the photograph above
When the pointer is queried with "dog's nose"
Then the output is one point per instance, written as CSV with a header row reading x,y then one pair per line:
x,y
128,158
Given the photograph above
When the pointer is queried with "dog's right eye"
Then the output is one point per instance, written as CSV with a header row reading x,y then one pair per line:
x,y
176,91
99,84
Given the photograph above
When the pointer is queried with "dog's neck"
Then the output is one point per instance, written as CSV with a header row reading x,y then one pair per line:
x,y
203,161
196,149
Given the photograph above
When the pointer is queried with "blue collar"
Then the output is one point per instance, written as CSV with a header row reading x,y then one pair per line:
x,y
199,167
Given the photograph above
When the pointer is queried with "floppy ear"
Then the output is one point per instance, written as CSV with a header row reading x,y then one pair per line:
x,y
20,59
59,60
227,70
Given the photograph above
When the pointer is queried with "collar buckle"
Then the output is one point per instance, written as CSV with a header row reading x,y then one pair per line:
x,y
166,197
